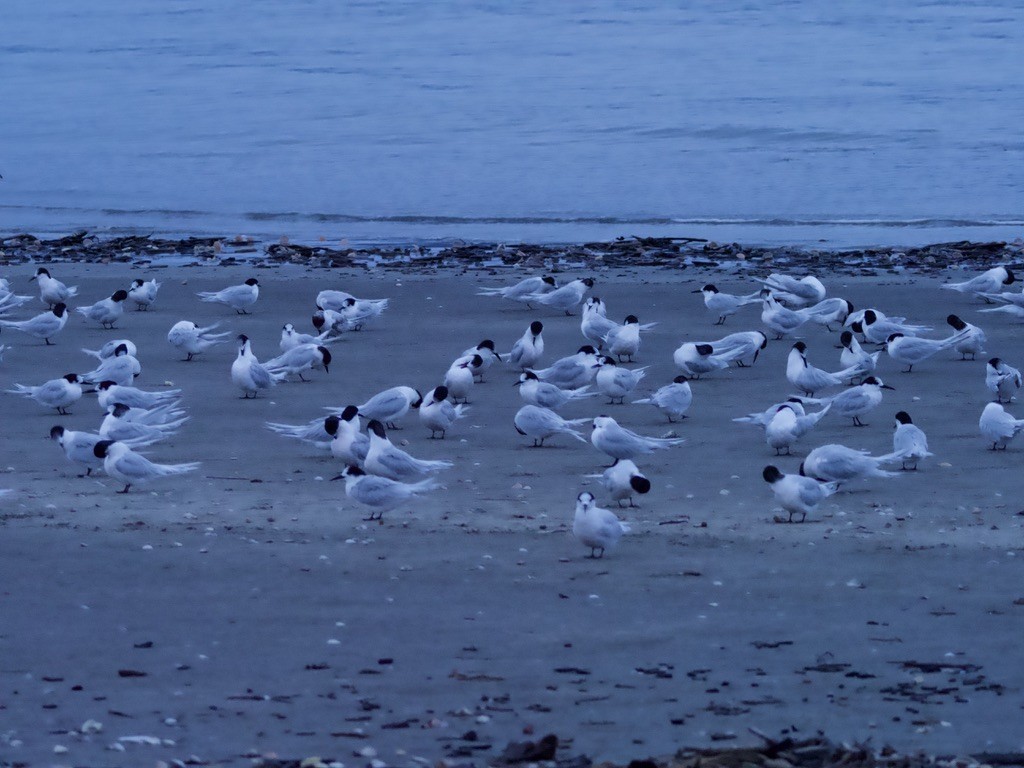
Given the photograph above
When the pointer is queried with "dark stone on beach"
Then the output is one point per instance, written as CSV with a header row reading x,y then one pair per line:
x,y
529,751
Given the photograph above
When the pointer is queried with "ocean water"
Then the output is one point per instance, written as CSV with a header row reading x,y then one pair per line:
x,y
381,121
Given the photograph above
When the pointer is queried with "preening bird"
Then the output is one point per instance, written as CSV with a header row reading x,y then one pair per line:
x,y
673,399
616,382
779,318
853,354
291,338
594,322
909,441
522,290
998,427
459,377
809,379
189,338
829,311
248,373
298,360
1002,379
527,351
348,443
437,414
786,426
485,351
565,298
990,281
623,479
973,338
143,293
358,312
741,348
109,349
839,464
795,292
624,340
696,359
51,290
761,418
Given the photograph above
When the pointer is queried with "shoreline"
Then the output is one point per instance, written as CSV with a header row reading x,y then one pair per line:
x,y
632,251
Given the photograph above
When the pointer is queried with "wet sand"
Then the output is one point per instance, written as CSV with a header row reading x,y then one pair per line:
x,y
248,609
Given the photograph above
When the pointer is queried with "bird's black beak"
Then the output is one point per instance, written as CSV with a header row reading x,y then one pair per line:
x,y
886,386
338,477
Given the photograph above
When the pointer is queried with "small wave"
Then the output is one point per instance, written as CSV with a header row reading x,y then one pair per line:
x,y
925,222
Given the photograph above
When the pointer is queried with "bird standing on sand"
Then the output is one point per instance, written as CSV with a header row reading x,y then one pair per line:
x,y
1002,379
528,349
437,414
620,443
909,441
797,493
107,311
131,468
248,373
43,326
56,393
51,290
725,304
999,427
192,340
565,298
381,494
594,527
991,281
622,479
673,399
542,423
143,293
238,297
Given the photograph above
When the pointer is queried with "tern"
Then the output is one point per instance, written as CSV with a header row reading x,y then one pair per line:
x,y
797,493
594,527
238,297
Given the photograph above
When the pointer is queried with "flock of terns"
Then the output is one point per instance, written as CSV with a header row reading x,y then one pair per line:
x,y
382,476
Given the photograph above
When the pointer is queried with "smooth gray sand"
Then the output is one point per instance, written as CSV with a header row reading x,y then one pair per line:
x,y
262,615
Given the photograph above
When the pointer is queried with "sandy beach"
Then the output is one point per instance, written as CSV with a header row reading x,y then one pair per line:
x,y
248,610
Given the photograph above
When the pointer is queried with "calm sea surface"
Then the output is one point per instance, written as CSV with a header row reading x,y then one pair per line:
x,y
773,121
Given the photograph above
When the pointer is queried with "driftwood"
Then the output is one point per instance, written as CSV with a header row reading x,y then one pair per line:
x,y
785,752
633,251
